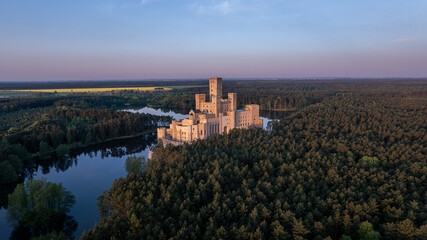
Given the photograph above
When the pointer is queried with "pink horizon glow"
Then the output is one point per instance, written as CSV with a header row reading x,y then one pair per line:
x,y
157,67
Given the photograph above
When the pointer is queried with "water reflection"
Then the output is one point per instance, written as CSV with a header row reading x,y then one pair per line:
x,y
87,173
118,148
114,148
5,189
40,208
61,225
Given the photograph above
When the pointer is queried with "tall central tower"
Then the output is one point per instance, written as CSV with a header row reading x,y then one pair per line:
x,y
215,91
215,88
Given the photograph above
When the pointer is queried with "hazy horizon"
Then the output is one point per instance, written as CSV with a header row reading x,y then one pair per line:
x,y
99,40
225,79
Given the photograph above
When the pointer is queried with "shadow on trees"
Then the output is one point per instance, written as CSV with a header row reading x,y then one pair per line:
x,y
38,208
57,225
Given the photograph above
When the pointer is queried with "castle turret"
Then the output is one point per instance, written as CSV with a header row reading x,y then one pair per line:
x,y
161,133
232,97
200,98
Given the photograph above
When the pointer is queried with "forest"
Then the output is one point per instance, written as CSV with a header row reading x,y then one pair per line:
x,y
52,125
350,165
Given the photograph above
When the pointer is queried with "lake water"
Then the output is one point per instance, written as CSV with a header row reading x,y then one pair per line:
x,y
92,170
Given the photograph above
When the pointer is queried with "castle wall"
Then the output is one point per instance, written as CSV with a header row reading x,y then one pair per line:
x,y
184,133
226,124
232,119
243,119
213,125
254,109
203,131
207,107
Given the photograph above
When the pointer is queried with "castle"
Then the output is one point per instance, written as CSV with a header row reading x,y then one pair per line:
x,y
218,116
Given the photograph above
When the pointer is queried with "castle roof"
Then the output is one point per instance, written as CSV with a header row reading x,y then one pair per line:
x,y
195,111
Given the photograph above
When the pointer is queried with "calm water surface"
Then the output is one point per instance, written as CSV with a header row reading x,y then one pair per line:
x,y
87,175
91,171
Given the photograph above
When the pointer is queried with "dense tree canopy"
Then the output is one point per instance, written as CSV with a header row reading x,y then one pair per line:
x,y
353,166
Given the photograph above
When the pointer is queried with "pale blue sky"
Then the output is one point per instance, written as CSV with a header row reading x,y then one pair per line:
x,y
127,39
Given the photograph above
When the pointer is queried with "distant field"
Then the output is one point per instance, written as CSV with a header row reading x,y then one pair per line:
x,y
7,94
78,90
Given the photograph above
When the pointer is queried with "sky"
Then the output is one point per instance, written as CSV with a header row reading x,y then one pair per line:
x,y
47,40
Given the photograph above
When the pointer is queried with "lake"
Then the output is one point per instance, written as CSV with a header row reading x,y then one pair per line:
x,y
92,170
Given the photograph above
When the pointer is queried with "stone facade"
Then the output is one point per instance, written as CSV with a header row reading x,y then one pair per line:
x,y
218,116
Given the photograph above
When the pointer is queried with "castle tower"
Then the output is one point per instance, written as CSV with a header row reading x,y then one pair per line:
x,y
215,88
215,91
200,98
161,133
232,97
